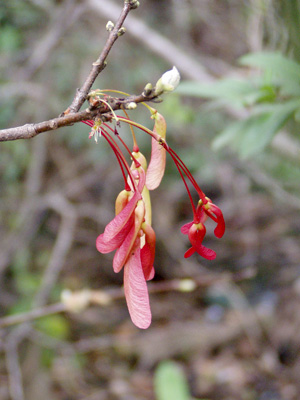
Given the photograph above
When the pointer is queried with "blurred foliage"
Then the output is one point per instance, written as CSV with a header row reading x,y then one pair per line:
x,y
170,382
55,326
270,101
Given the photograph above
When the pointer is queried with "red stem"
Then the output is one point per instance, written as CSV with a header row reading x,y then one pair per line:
x,y
187,172
186,186
116,148
137,164
120,157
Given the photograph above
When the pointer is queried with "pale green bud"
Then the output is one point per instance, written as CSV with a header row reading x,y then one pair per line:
x,y
110,26
133,3
168,81
187,285
121,31
147,89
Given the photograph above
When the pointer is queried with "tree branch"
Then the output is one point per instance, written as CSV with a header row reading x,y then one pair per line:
x,y
29,131
72,114
100,63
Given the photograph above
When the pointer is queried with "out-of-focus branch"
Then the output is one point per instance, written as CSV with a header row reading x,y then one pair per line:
x,y
62,246
270,184
60,21
32,315
286,146
13,364
20,89
78,301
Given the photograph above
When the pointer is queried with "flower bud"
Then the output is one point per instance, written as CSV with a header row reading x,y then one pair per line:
x,y
133,3
131,106
147,89
75,301
110,26
121,31
168,81
186,285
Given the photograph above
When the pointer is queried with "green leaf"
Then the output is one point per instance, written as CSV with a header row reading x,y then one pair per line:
x,y
236,91
282,68
253,134
10,39
170,382
54,325
239,93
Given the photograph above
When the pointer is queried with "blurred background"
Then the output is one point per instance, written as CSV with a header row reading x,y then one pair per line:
x,y
235,124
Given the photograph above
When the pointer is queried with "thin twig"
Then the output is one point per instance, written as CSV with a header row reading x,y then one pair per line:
x,y
100,63
270,184
32,315
106,297
188,65
61,247
12,362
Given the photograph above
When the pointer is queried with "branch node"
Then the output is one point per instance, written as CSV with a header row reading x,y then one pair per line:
x,y
133,4
157,99
121,31
31,130
53,125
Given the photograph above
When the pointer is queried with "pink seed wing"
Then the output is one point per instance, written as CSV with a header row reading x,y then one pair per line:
x,y
136,292
220,228
148,251
124,250
186,227
117,224
126,247
157,165
106,247
189,252
147,258
206,252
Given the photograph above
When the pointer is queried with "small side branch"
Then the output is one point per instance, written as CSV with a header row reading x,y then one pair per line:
x,y
32,315
29,131
100,63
